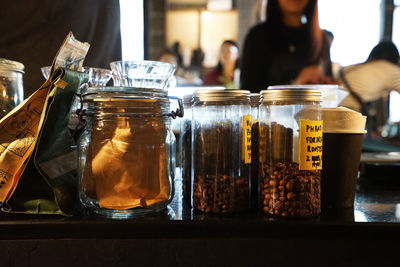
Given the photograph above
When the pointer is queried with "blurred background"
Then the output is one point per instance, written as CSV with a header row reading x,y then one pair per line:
x,y
195,29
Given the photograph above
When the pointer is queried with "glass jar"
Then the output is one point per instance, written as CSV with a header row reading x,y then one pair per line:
x,y
11,85
221,150
290,151
254,103
127,152
185,144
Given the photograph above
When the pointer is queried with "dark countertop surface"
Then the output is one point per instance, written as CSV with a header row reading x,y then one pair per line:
x,y
364,236
376,209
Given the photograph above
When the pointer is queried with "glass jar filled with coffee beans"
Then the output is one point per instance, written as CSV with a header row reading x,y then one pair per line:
x,y
221,150
254,103
290,147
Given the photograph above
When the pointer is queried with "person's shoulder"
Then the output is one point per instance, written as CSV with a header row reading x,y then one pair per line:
x,y
380,63
386,66
328,36
372,68
257,30
327,33
262,26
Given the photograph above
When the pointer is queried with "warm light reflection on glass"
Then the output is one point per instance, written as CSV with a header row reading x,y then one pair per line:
x,y
397,211
359,216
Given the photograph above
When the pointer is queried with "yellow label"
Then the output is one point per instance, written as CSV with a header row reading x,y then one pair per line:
x,y
310,141
246,142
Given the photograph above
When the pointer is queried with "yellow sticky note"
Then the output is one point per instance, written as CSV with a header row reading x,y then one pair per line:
x,y
310,141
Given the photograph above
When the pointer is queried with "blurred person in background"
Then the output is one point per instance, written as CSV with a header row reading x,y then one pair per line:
x,y
227,69
288,48
370,82
33,31
169,56
181,77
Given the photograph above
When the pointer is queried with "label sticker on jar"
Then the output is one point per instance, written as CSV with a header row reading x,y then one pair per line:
x,y
310,141
246,142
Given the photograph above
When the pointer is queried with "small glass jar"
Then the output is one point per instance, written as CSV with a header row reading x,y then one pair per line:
x,y
290,151
11,85
185,144
127,152
221,150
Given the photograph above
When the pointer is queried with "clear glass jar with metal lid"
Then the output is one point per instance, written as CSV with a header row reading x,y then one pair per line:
x,y
221,150
11,85
290,151
126,152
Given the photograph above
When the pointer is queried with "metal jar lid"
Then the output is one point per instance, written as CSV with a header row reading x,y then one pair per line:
x,y
291,94
10,65
221,95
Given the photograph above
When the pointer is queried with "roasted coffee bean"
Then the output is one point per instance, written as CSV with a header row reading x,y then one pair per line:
x,y
298,193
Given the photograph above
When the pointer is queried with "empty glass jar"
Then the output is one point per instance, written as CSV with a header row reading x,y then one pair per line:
x,y
290,151
127,152
221,149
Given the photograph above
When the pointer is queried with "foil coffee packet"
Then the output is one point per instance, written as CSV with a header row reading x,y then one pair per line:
x,y
21,129
71,54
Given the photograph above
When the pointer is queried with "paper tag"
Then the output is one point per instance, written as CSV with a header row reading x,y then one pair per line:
x,y
246,142
310,141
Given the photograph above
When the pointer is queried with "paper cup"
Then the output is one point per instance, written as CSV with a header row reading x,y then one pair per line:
x,y
343,134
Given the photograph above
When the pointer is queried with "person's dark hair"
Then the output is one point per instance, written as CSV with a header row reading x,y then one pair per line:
x,y
275,19
386,50
230,42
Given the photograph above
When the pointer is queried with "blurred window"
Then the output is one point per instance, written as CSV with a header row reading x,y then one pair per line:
x,y
355,25
396,24
132,29
394,106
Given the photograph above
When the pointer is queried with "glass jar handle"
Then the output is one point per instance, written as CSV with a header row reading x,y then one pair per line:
x,y
80,127
179,111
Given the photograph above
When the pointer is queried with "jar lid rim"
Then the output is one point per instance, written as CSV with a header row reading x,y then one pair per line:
x,y
220,95
11,65
292,94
